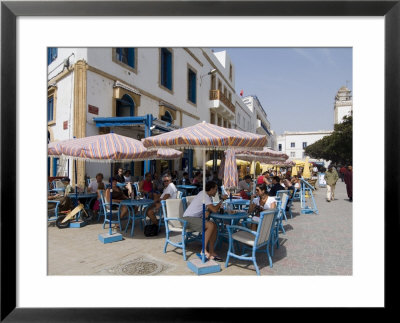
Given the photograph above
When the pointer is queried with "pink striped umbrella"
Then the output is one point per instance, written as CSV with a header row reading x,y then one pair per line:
x,y
166,153
231,176
106,148
54,148
206,136
265,156
221,168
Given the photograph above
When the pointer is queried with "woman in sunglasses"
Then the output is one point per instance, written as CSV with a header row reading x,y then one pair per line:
x,y
261,202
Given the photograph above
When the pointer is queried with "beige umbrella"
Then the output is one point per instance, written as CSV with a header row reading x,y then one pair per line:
x,y
306,171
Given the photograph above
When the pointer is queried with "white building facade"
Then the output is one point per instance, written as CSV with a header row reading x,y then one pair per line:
x,y
343,105
157,89
294,143
260,120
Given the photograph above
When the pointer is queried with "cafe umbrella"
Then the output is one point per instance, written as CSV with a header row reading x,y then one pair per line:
x,y
110,148
206,136
231,176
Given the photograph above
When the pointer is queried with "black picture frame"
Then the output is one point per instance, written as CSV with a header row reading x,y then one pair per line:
x,y
10,10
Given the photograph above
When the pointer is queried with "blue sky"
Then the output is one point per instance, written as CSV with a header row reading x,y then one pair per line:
x,y
296,86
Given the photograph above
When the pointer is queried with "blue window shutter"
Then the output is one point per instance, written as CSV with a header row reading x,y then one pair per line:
x,y
169,70
131,57
193,87
51,54
55,159
50,106
54,56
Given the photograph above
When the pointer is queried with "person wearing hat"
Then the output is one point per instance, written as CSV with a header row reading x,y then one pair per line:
x,y
331,177
68,187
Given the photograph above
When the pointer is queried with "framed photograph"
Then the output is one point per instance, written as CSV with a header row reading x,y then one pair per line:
x,y
33,296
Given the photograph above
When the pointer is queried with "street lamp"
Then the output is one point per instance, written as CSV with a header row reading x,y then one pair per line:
x,y
209,73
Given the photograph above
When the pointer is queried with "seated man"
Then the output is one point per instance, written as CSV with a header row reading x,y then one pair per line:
x,y
117,196
169,192
276,186
246,187
93,186
68,187
194,213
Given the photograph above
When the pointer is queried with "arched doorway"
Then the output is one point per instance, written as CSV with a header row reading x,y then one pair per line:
x,y
125,106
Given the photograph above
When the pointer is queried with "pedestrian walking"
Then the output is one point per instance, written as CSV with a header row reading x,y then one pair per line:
x,y
342,171
331,177
348,179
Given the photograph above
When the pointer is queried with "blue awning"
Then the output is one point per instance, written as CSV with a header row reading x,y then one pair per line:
x,y
119,121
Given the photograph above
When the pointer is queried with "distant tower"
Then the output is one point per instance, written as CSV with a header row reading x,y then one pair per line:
x,y
343,104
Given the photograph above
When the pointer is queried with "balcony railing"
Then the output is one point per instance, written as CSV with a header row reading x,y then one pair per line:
x,y
218,95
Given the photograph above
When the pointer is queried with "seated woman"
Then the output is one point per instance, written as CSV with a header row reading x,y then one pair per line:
x,y
117,196
260,203
96,206
146,187
127,176
128,190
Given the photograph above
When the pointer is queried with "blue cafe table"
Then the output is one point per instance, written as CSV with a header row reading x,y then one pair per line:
x,y
238,203
186,189
87,197
222,219
142,204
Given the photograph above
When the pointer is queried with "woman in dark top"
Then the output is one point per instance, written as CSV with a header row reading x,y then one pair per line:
x,y
117,196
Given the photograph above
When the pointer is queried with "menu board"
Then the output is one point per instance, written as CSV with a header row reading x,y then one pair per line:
x,y
321,180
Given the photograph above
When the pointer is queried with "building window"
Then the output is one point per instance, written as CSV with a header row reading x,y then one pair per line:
x,y
280,147
167,117
212,118
192,86
51,54
166,68
213,80
304,144
125,107
292,154
50,108
292,145
230,72
126,56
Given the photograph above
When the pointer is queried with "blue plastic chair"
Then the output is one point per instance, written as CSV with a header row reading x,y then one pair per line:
x,y
53,213
256,241
141,215
282,198
174,222
106,210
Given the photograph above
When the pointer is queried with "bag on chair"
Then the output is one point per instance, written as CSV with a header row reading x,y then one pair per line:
x,y
151,230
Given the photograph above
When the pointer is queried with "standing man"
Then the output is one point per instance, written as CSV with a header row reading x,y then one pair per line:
x,y
331,177
348,179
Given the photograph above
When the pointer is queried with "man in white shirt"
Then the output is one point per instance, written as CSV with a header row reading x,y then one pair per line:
x,y
194,217
170,191
93,186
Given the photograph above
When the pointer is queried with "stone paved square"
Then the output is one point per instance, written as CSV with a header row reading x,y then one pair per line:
x,y
314,244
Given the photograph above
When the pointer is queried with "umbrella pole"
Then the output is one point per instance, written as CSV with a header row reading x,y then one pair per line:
x,y
204,207
76,184
110,231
